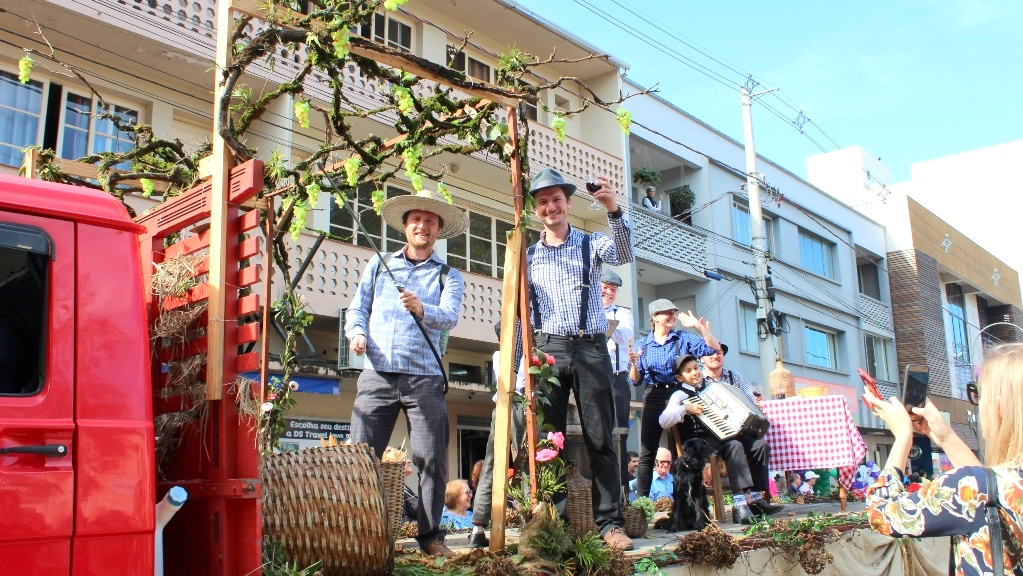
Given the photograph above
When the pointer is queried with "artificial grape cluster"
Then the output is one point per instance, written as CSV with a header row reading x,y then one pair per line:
x,y
302,113
25,69
378,198
442,188
298,219
313,190
147,187
393,4
341,40
624,120
558,125
352,165
404,99
412,156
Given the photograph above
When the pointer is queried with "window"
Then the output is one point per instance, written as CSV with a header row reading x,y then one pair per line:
x,y
870,284
957,324
21,108
472,67
384,29
815,254
880,358
25,255
750,335
820,348
481,250
342,225
465,373
741,227
79,124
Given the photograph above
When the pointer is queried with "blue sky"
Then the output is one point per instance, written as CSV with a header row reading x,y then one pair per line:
x,y
909,80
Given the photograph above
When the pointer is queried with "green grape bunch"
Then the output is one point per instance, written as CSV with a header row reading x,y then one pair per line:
x,y
624,119
302,113
352,165
25,69
393,4
442,188
378,198
341,39
147,187
404,100
313,190
558,125
298,219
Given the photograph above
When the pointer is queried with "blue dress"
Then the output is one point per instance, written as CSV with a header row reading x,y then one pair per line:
x,y
455,522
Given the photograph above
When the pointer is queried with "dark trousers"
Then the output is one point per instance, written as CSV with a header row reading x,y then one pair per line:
x,y
655,400
584,368
484,497
746,460
623,394
380,396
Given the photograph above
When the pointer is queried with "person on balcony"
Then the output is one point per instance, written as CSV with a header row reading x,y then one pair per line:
x,y
401,371
648,201
571,326
618,345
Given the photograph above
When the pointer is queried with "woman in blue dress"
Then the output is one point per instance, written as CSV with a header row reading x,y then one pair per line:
x,y
456,514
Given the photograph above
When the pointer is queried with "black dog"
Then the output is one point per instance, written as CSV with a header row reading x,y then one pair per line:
x,y
691,508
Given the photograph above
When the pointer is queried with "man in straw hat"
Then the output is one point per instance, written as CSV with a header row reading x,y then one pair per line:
x,y
564,273
401,371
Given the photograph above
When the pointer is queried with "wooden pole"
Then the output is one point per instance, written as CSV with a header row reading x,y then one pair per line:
x,y
264,344
219,167
514,307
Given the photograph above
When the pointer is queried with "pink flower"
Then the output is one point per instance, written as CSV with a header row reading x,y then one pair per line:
x,y
293,385
267,406
546,455
557,438
271,396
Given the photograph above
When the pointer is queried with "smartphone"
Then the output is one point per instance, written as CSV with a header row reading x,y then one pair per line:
x,y
914,391
868,384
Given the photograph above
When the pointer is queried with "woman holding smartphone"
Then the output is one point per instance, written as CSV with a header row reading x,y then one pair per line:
x,y
953,504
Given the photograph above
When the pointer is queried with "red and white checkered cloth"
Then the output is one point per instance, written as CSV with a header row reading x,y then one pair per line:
x,y
814,432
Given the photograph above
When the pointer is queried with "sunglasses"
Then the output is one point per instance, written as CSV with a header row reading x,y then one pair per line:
x,y
973,393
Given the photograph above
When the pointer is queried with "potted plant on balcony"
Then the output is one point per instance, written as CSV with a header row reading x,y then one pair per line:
x,y
646,177
682,200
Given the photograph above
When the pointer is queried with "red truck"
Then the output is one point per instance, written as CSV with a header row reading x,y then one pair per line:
x,y
81,381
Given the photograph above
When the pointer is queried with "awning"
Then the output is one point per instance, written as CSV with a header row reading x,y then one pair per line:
x,y
306,384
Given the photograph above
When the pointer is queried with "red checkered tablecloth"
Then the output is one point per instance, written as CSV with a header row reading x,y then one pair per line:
x,y
814,432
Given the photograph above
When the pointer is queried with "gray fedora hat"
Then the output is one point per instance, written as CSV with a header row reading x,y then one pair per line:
x,y
547,178
393,210
609,276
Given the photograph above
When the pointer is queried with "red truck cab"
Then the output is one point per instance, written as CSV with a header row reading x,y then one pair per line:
x,y
77,472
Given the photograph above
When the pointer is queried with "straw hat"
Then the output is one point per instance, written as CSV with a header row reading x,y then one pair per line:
x,y
455,219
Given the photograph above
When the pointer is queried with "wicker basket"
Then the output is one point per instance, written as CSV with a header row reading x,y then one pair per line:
x,y
635,521
392,482
579,504
325,504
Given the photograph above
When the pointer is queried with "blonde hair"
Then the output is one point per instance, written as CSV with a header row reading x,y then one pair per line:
x,y
1001,413
452,490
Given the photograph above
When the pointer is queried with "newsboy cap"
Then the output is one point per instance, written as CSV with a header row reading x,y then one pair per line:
x,y
609,276
661,305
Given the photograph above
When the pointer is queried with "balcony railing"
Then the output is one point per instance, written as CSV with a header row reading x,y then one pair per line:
x,y
668,242
876,313
189,26
330,281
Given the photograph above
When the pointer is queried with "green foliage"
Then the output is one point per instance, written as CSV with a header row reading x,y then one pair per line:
x,y
652,564
646,176
646,505
589,552
275,563
25,69
147,187
683,196
794,532
292,313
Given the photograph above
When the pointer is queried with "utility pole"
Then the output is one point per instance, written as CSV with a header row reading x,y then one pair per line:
x,y
759,240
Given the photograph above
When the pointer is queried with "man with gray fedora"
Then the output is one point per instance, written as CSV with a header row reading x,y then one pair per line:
x,y
564,269
401,372
618,346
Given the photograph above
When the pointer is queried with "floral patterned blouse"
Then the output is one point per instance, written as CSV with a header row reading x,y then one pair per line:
x,y
953,504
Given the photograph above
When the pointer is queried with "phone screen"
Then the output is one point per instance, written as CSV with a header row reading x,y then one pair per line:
x,y
915,394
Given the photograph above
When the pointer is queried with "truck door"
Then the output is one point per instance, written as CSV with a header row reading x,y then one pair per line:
x,y
36,393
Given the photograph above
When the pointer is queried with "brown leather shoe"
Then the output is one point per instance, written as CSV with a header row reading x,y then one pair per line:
x,y
616,537
438,548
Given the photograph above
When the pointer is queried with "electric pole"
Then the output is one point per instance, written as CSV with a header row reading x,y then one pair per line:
x,y
759,241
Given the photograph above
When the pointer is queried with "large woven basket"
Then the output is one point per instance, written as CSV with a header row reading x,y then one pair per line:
x,y
392,482
579,504
635,521
326,504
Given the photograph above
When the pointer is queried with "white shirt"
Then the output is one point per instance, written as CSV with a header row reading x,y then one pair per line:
x,y
618,343
649,204
520,379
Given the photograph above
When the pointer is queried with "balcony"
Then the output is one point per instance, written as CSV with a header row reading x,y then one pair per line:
x,y
876,313
189,27
668,242
330,281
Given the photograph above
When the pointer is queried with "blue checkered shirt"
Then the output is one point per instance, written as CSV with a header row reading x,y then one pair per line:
x,y
393,341
657,364
556,276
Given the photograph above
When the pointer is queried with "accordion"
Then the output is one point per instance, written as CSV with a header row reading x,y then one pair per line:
x,y
728,413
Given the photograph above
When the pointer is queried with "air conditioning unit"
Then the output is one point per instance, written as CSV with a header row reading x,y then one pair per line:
x,y
346,359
